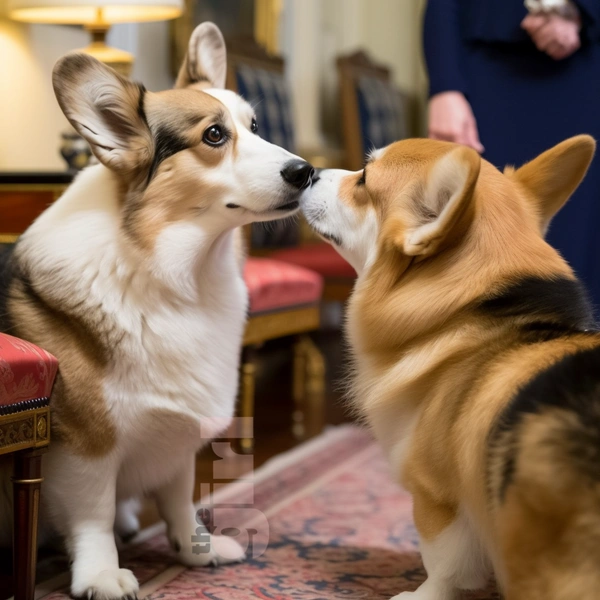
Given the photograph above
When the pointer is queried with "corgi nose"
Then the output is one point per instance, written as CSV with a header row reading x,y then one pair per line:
x,y
297,173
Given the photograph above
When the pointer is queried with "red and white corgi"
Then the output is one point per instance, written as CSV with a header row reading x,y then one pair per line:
x,y
477,362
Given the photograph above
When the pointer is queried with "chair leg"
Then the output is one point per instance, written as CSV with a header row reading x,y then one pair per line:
x,y
247,398
26,487
299,388
309,389
315,389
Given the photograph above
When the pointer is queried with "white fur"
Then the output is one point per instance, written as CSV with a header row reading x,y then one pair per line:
x,y
178,324
454,561
255,168
175,320
330,216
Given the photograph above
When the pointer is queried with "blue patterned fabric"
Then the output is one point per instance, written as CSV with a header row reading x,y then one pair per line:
x,y
267,92
382,113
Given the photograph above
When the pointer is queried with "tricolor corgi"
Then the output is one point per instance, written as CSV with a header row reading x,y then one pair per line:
x,y
477,361
132,279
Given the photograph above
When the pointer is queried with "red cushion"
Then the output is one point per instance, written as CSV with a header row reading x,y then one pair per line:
x,y
321,258
26,371
273,284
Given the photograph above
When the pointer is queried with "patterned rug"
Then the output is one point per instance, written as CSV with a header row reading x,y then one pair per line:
x,y
338,528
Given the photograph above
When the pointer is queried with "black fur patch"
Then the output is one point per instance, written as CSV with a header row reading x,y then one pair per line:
x,y
197,79
543,309
31,294
166,143
6,277
572,384
141,110
332,238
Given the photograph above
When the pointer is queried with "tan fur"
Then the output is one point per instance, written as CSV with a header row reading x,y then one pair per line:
x,y
552,177
86,426
121,109
184,114
187,114
423,352
549,537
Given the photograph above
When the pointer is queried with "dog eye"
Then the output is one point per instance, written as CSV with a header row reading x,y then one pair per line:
x,y
363,178
214,135
254,126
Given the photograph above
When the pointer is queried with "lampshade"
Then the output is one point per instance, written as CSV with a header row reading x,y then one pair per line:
x,y
91,12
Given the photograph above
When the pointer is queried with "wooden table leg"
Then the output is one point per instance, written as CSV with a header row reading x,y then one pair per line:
x,y
309,389
26,487
299,388
247,398
314,403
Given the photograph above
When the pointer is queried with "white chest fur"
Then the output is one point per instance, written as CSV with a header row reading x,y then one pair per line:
x,y
173,321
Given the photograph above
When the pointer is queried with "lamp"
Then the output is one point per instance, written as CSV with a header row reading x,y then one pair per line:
x,y
97,16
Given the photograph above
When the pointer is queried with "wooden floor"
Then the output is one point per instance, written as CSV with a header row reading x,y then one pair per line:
x,y
272,432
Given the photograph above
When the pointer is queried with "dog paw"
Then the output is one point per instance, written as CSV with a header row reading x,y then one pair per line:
x,y
227,549
111,584
425,594
221,550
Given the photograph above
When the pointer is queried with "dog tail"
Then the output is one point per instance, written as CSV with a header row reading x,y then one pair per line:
x,y
544,476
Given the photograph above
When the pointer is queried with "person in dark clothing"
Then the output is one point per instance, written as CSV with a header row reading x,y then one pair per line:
x,y
511,79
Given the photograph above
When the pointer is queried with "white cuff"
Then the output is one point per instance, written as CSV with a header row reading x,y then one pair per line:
x,y
563,7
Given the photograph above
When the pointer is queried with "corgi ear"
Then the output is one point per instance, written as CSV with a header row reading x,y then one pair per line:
x,y
105,109
445,208
552,177
206,58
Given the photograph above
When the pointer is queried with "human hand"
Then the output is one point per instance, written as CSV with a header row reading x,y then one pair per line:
x,y
553,34
451,119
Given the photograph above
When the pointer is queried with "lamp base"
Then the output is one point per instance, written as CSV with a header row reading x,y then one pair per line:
x,y
119,60
74,149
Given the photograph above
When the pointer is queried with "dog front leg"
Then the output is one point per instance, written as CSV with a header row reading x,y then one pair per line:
x,y
81,496
452,554
127,524
176,507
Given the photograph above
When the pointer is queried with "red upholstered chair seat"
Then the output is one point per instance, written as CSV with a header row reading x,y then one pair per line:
x,y
274,285
26,374
320,257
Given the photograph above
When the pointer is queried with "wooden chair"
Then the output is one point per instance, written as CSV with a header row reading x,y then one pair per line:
x,y
374,114
284,301
26,379
339,276
260,78
374,111
252,73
